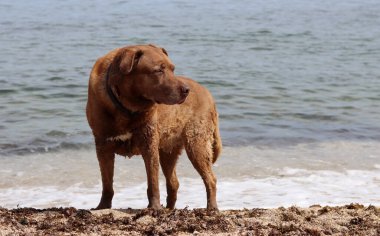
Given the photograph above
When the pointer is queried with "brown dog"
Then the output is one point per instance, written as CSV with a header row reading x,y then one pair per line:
x,y
136,105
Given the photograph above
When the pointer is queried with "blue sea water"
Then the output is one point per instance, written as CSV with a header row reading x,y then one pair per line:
x,y
295,81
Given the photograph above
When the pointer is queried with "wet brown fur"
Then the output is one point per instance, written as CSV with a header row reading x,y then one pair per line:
x,y
163,123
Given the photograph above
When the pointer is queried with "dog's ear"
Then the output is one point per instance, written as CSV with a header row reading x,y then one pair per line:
x,y
126,60
164,51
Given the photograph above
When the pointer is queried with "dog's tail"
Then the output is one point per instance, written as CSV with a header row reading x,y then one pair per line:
x,y
217,145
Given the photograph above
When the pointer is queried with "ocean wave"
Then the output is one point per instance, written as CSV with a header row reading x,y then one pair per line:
x,y
309,188
331,173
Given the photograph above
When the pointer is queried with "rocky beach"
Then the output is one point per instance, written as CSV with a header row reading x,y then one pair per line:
x,y
353,219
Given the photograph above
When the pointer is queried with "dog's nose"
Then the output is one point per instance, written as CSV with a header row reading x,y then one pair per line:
x,y
185,90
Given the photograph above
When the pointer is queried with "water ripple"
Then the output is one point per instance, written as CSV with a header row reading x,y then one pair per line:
x,y
278,71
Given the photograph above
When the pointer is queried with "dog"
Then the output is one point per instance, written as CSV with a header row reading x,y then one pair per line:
x,y
138,106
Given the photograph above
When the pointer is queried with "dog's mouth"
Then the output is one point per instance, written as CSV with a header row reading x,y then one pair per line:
x,y
182,100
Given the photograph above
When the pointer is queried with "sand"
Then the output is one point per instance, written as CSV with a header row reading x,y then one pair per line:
x,y
353,219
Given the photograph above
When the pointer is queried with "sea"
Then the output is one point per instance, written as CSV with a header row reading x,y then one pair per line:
x,y
296,83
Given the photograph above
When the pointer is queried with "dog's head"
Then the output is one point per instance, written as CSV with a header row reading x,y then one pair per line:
x,y
148,73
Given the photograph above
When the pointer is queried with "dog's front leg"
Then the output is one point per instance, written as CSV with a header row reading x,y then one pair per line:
x,y
106,158
151,158
152,170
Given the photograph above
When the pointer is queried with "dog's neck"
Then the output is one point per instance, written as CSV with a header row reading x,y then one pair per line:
x,y
139,107
116,102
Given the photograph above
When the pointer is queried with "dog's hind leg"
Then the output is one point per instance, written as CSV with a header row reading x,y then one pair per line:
x,y
200,154
168,163
106,160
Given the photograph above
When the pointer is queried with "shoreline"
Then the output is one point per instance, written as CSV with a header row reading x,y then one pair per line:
x,y
353,219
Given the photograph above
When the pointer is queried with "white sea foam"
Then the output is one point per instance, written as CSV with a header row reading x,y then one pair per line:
x,y
316,187
324,173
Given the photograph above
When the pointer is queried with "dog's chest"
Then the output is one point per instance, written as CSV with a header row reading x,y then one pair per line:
x,y
121,138
124,144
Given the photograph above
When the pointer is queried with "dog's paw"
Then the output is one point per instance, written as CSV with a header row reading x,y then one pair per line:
x,y
102,206
155,207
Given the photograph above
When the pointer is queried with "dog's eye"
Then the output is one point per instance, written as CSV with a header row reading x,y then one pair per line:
x,y
159,71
